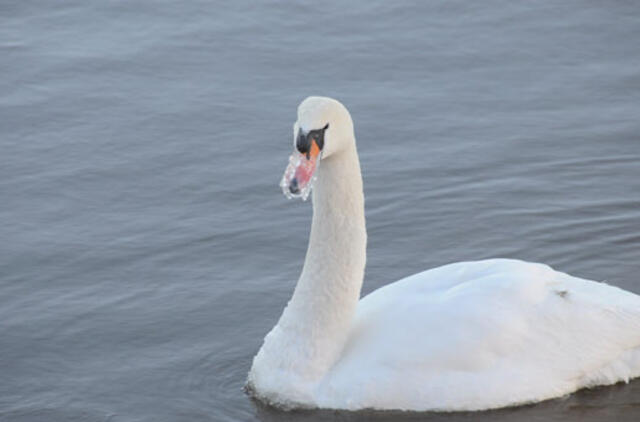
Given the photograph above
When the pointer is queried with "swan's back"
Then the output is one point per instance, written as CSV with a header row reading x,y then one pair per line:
x,y
477,335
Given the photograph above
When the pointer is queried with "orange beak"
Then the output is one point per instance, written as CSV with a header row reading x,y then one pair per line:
x,y
314,151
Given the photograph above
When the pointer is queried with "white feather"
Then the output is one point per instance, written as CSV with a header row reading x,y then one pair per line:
x,y
465,336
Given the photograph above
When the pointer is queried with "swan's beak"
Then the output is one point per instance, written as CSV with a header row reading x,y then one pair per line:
x,y
299,176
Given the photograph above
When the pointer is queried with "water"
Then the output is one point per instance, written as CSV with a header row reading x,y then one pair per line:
x,y
146,246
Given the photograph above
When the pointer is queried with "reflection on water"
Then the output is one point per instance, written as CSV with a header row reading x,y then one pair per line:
x,y
147,249
619,403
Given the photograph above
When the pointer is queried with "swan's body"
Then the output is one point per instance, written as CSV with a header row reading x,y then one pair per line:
x,y
465,336
477,335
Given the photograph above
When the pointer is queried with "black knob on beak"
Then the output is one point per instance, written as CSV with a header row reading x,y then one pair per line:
x,y
303,143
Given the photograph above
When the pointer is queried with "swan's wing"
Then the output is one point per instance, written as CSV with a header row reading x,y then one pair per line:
x,y
487,334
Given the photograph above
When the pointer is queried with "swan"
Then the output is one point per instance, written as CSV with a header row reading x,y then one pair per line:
x,y
464,336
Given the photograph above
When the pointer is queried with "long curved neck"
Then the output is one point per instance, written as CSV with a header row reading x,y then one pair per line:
x,y
328,291
314,326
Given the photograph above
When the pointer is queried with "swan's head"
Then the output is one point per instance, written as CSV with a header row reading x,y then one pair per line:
x,y
324,128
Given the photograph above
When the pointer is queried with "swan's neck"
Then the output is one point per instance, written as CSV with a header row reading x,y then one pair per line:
x,y
314,326
328,291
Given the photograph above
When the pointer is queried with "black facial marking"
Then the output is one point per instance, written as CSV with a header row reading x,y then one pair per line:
x,y
303,142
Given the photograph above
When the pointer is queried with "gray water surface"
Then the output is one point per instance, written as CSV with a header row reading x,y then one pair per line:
x,y
146,248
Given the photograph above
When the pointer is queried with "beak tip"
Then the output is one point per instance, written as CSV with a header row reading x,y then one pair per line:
x,y
293,186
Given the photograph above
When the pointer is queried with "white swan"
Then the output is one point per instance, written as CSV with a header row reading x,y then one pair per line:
x,y
465,336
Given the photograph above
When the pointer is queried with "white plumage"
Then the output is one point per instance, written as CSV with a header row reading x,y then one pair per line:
x,y
486,334
465,336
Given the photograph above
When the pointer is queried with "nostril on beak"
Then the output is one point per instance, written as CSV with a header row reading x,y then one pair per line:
x,y
293,186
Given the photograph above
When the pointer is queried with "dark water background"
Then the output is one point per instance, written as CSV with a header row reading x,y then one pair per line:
x,y
145,247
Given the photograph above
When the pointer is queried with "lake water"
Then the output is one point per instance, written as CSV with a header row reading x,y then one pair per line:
x,y
146,248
